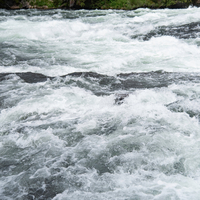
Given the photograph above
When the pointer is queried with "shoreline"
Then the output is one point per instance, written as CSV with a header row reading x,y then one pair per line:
x,y
97,4
152,8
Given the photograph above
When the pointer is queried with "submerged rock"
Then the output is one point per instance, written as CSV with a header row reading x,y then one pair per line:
x,y
188,106
120,98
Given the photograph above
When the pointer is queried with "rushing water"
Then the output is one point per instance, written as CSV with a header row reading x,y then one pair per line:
x,y
100,105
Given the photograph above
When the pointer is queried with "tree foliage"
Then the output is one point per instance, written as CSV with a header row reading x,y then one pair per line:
x,y
100,4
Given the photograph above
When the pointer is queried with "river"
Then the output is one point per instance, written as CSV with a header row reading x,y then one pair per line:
x,y
100,104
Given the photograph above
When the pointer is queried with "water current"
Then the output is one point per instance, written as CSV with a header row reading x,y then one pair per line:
x,y
100,104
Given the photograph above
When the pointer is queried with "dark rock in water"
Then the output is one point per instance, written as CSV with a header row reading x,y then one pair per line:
x,y
85,74
30,77
189,106
100,84
120,98
145,80
3,76
121,85
185,31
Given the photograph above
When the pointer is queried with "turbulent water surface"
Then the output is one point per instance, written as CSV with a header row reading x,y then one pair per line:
x,y
100,105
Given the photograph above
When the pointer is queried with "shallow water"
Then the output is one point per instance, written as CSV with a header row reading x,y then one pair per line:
x,y
100,104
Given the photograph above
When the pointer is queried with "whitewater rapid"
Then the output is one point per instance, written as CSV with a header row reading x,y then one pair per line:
x,y
100,104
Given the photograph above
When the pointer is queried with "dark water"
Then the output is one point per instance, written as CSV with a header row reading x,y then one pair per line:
x,y
186,31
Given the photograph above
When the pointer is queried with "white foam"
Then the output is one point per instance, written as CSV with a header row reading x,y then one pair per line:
x,y
104,46
86,145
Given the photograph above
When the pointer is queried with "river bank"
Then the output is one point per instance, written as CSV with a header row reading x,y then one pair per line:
x,y
97,4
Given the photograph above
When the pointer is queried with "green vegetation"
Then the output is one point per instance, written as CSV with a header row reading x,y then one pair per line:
x,y
125,4
57,3
41,3
97,4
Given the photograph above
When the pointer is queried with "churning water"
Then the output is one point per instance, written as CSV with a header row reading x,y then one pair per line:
x,y
100,105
